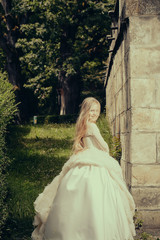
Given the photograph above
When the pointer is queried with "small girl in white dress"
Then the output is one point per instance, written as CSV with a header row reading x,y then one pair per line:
x,y
89,199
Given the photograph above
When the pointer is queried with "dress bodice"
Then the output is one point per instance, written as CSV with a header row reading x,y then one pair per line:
x,y
94,139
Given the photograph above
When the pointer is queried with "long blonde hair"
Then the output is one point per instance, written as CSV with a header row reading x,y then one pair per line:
x,y
81,124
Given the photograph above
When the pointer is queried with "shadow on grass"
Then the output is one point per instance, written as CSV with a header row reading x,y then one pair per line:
x,y
35,162
18,229
38,151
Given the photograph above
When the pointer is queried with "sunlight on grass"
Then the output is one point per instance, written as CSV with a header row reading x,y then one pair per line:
x,y
38,153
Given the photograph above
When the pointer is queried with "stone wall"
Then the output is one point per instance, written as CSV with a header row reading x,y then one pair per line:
x,y
133,100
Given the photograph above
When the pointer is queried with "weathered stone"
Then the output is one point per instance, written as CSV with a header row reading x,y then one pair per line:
x,y
157,94
128,174
143,93
123,124
127,67
123,166
145,62
127,95
158,147
134,102
124,103
148,198
143,147
122,139
145,36
118,80
117,125
118,102
146,175
142,7
146,119
123,76
128,120
151,219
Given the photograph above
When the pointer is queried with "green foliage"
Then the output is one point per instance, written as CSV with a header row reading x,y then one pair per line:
x,y
113,142
2,60
7,110
38,153
116,150
56,119
63,36
141,234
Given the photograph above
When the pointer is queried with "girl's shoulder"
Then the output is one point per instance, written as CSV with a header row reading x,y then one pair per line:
x,y
91,127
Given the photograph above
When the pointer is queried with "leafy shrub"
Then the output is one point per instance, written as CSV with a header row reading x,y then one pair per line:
x,y
7,110
56,119
113,142
116,150
140,232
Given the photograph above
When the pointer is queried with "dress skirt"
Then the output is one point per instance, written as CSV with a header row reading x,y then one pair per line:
x,y
91,202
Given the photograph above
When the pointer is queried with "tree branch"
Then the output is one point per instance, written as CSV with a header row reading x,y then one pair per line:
x,y
6,4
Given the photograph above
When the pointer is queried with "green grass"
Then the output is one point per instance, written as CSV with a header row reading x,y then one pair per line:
x,y
38,153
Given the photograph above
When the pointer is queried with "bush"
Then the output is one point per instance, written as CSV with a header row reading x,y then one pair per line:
x,y
7,110
71,118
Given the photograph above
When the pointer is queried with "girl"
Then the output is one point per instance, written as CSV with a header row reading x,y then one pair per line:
x,y
89,199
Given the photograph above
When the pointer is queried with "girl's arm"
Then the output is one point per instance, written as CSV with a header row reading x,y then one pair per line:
x,y
98,138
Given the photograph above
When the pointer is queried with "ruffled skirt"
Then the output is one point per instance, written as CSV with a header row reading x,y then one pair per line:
x,y
88,201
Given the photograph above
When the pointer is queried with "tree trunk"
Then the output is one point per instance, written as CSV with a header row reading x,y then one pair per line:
x,y
69,94
8,39
17,80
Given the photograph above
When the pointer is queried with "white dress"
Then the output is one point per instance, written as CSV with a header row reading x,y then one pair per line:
x,y
88,200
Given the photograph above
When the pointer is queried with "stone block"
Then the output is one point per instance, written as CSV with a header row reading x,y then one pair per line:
x,y
146,198
146,36
123,166
142,7
113,91
127,66
158,148
108,99
117,125
157,95
143,148
146,119
126,95
126,101
118,102
119,82
151,219
122,139
127,147
123,72
146,175
144,62
123,123
125,142
111,111
143,92
122,103
126,43
113,127
108,113
128,174
128,120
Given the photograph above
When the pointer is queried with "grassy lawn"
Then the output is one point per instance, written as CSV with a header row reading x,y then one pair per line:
x,y
38,153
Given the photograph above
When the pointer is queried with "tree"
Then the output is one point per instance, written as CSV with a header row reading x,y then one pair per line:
x,y
58,46
7,111
9,33
64,48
